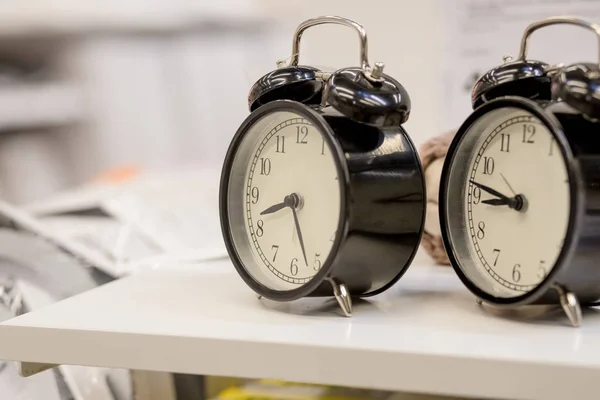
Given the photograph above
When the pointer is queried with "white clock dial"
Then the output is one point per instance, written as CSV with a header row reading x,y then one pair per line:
x,y
291,200
515,202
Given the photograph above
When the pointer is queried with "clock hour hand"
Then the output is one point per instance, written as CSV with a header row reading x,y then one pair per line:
x,y
274,208
497,202
291,200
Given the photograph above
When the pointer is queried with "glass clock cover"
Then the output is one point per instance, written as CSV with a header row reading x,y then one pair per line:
x,y
507,202
284,199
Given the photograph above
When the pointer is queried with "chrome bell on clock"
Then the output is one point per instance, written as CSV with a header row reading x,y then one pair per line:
x,y
521,77
295,82
578,85
368,96
365,94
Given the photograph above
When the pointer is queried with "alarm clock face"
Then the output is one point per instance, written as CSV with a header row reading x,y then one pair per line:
x,y
282,198
507,202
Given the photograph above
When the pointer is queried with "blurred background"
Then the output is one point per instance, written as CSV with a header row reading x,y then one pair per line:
x,y
97,90
89,86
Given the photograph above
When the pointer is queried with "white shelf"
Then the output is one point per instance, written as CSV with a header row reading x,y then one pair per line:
x,y
424,335
32,106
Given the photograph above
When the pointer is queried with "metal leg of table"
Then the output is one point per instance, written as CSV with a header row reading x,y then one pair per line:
x,y
149,385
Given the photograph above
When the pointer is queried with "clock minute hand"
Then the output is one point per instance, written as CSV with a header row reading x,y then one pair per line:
x,y
490,190
292,202
299,235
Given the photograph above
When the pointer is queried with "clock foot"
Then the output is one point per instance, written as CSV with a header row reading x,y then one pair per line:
x,y
340,291
258,296
479,302
570,305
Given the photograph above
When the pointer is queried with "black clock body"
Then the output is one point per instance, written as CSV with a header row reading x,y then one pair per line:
x,y
578,140
384,204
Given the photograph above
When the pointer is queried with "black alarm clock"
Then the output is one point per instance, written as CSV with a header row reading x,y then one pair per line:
x,y
322,192
520,187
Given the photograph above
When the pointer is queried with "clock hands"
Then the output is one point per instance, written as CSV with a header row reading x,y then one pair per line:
x,y
516,202
292,201
490,190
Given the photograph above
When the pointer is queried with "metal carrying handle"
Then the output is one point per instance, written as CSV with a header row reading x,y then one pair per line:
x,y
373,73
555,21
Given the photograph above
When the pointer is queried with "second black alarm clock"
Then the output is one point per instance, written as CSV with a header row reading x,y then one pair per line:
x,y
322,191
520,188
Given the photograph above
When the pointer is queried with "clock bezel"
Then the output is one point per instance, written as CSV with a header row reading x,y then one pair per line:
x,y
344,185
576,192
